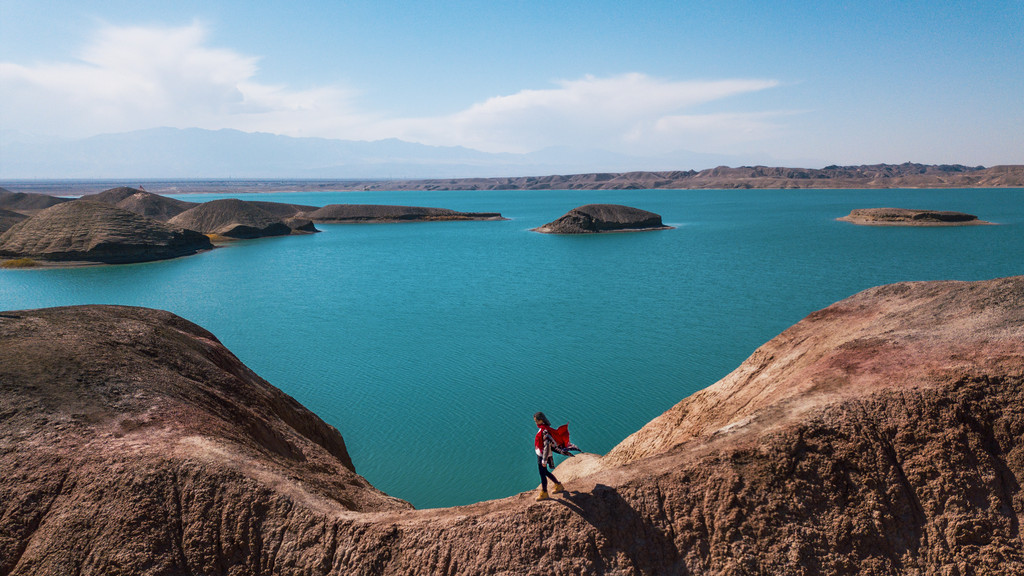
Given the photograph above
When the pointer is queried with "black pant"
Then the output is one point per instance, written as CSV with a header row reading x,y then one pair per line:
x,y
544,474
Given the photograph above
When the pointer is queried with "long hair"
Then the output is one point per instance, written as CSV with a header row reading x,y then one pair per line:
x,y
540,417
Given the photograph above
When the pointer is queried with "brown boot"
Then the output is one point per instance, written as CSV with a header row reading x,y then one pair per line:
x,y
558,488
543,495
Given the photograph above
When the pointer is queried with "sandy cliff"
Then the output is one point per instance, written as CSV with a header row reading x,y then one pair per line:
x,y
881,435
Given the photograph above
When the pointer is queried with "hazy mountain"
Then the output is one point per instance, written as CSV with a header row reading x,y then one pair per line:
x,y
197,153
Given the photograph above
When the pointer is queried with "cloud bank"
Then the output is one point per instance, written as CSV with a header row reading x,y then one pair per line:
x,y
129,78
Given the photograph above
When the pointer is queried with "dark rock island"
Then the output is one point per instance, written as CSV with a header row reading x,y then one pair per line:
x,y
906,217
93,232
365,213
596,218
880,435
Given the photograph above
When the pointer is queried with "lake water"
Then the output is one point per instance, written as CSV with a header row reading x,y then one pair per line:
x,y
430,345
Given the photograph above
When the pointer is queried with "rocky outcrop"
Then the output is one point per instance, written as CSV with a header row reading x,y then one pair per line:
x,y
905,217
9,218
231,218
141,202
596,218
365,213
83,231
881,435
133,442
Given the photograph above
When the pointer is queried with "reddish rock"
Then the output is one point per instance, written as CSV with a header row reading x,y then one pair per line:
x,y
881,435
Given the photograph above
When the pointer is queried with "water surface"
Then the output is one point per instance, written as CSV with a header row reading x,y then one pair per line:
x,y
430,345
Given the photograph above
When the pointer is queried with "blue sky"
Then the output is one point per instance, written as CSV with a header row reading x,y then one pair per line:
x,y
808,83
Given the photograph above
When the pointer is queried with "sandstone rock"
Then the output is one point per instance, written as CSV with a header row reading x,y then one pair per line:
x,y
595,218
231,218
362,213
881,435
9,218
906,217
94,232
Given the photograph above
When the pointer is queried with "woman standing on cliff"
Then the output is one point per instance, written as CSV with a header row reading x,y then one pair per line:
x,y
543,444
549,440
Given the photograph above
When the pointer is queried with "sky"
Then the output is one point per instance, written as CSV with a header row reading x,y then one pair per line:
x,y
785,83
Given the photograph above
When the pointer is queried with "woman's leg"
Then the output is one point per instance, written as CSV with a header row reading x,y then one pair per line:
x,y
544,474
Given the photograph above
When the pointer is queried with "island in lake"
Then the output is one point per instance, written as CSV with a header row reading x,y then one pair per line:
x,y
125,225
599,218
907,217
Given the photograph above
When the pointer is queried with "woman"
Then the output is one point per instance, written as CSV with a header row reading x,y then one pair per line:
x,y
543,444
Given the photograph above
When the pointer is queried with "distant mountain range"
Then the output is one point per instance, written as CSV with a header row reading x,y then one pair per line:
x,y
173,153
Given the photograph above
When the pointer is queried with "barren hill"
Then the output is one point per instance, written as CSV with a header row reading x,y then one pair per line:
x,y
95,232
141,202
881,435
231,218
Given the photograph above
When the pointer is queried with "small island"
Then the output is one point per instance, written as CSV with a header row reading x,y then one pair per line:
x,y
376,213
906,217
599,218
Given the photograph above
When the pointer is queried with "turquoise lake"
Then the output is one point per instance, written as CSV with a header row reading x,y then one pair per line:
x,y
431,345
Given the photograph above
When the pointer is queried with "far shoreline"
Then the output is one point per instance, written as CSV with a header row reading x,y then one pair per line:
x,y
906,176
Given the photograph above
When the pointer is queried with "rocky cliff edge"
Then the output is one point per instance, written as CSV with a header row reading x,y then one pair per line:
x,y
881,435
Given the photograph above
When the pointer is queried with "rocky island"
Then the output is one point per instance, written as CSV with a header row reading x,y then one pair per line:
x,y
233,219
906,217
598,218
93,232
367,213
882,434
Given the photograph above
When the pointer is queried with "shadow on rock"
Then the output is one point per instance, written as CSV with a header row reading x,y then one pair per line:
x,y
626,531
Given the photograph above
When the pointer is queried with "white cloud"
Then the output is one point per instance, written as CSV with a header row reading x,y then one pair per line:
x,y
130,78
628,111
